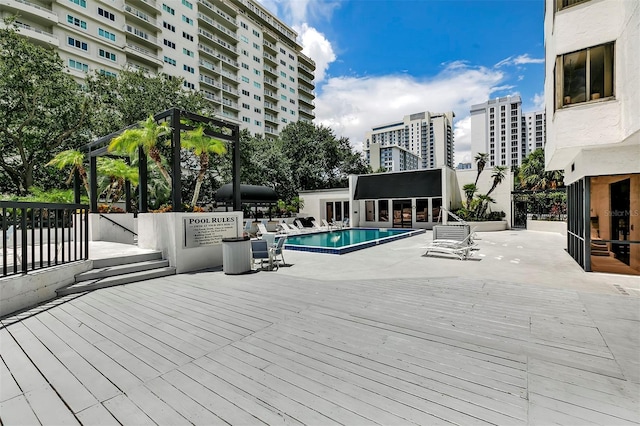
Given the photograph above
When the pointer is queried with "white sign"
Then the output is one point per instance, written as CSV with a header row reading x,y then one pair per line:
x,y
206,230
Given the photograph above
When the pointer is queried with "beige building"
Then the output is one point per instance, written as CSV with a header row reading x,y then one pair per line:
x,y
240,56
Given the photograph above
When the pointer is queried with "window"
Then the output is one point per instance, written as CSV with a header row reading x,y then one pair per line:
x,y
245,92
243,25
169,43
283,63
561,4
77,22
369,209
188,4
188,69
383,210
170,61
106,14
244,38
246,119
187,20
257,97
255,58
283,108
585,75
245,79
256,84
293,112
169,26
107,55
284,86
168,9
256,46
291,68
187,52
77,43
189,85
292,90
258,123
187,36
245,66
81,3
284,120
283,97
77,65
246,106
108,73
106,34
257,72
258,110
245,52
291,79
293,58
256,33
293,101
284,52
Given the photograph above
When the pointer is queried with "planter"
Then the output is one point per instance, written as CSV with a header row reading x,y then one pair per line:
x,y
189,241
556,226
112,227
489,226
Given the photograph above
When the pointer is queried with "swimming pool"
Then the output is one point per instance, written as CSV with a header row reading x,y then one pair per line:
x,y
347,240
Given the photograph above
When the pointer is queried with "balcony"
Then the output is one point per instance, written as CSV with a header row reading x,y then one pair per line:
x,y
209,81
37,35
30,11
141,36
306,112
307,91
141,54
228,103
229,75
271,130
270,82
219,12
215,54
270,58
306,69
211,97
305,79
231,90
270,106
306,101
208,65
271,118
137,67
217,27
270,46
141,17
206,34
271,94
149,5
270,70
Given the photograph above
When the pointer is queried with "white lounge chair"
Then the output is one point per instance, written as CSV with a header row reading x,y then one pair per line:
x,y
262,229
461,248
318,227
326,224
288,229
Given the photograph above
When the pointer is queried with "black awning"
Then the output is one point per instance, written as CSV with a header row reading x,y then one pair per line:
x,y
248,194
421,183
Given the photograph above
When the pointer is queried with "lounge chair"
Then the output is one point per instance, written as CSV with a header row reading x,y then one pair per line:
x,y
318,227
299,225
326,224
461,248
288,229
262,229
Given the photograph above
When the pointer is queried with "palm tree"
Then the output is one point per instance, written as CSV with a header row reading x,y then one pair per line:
x,y
202,146
75,159
146,136
498,175
481,159
533,175
114,173
483,205
470,190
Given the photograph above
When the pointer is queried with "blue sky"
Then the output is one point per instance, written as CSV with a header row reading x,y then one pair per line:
x,y
380,60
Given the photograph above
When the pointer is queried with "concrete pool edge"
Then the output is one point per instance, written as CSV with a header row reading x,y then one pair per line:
x,y
355,247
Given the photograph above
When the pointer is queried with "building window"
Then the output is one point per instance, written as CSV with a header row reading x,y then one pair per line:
x,y
170,61
188,4
243,25
257,97
187,36
562,4
107,55
188,69
258,123
106,34
245,92
77,65
255,58
244,38
256,84
245,79
108,73
77,43
169,44
246,106
169,26
257,72
258,110
81,3
187,52
245,66
256,33
168,9
187,20
77,22
383,210
585,75
106,14
246,119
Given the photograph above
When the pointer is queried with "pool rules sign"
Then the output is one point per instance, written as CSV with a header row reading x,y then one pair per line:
x,y
206,230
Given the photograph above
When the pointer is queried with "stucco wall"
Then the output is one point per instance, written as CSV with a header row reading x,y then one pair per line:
x,y
502,193
315,201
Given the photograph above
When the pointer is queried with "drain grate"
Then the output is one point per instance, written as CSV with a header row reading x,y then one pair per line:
x,y
620,289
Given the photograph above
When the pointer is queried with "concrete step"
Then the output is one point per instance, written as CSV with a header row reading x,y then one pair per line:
x,y
130,258
109,271
116,280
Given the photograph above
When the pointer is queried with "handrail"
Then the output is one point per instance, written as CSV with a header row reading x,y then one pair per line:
x,y
116,223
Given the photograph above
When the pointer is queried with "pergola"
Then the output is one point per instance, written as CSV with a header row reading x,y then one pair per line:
x,y
221,129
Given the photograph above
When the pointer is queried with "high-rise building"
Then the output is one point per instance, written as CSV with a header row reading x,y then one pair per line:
x,y
592,94
534,130
240,56
496,129
420,141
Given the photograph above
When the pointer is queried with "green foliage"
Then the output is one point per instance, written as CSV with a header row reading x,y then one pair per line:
x,y
42,111
533,176
36,194
201,145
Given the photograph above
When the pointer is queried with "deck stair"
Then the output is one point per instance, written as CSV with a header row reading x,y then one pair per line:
x,y
120,270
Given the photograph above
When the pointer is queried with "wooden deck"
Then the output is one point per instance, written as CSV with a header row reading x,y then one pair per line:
x,y
269,348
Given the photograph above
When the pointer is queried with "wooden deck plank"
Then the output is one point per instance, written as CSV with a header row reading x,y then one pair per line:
x,y
97,415
96,383
25,374
580,414
49,408
8,387
155,408
179,401
17,412
126,412
70,389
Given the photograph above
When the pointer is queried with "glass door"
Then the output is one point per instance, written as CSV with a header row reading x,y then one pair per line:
x,y
402,217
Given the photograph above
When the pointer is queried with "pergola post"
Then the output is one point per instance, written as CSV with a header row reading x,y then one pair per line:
x,y
93,183
176,179
237,204
76,186
142,181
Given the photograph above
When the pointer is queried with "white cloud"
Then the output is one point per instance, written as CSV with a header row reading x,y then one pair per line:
x,y
519,60
352,105
538,101
317,47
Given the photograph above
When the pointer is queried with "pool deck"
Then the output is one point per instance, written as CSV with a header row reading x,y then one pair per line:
x,y
517,335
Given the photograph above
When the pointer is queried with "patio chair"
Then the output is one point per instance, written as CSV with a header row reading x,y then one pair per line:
x,y
287,229
299,225
260,252
326,224
460,248
318,227
262,229
278,250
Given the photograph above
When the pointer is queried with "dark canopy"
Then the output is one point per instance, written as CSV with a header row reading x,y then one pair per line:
x,y
249,194
422,183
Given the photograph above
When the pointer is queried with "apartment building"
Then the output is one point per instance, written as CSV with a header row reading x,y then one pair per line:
x,y
534,130
592,96
420,141
240,56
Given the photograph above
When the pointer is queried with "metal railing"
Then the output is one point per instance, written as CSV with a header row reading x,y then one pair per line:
x,y
40,235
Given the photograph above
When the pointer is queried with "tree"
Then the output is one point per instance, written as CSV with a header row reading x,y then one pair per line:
x,y
42,110
498,176
470,190
112,174
481,159
533,175
146,136
74,159
201,145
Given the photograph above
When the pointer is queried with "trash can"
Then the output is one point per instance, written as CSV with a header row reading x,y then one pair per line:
x,y
236,255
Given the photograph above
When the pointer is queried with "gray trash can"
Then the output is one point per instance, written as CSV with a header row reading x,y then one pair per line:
x,y
236,255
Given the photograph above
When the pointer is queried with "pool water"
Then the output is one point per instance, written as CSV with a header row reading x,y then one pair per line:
x,y
346,240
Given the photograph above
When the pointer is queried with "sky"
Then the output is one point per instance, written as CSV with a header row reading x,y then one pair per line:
x,y
377,61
